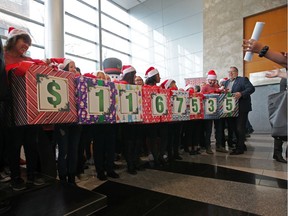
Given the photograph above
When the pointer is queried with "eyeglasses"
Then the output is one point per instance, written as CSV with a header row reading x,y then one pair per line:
x,y
232,71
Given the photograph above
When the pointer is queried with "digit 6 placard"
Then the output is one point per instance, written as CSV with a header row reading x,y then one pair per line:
x,y
179,104
229,104
210,105
128,102
159,104
195,106
52,93
98,100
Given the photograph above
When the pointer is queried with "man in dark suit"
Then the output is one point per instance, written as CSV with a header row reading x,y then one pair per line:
x,y
241,88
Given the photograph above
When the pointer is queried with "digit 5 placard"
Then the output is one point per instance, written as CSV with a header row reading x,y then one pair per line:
x,y
98,100
229,104
52,93
195,106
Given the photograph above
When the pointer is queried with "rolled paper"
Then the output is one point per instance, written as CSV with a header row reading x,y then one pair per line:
x,y
255,35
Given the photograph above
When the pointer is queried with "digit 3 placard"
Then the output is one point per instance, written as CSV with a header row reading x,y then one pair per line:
x,y
211,106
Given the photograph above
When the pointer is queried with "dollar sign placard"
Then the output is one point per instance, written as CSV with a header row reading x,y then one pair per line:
x,y
56,99
52,93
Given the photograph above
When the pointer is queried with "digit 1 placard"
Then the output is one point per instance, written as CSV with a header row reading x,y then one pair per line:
x,y
52,94
195,106
229,104
98,100
159,104
210,105
179,104
128,102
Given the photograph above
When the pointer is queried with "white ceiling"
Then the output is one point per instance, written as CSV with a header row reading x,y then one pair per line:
x,y
128,4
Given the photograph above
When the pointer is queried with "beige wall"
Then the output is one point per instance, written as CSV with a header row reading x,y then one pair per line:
x,y
223,31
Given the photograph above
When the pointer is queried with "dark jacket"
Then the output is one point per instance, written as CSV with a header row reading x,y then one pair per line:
x,y
245,87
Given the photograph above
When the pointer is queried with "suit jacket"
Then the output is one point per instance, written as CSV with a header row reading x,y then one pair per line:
x,y
245,87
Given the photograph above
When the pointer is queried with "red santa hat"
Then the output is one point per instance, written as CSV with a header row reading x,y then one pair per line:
x,y
64,64
188,86
211,75
127,69
166,83
221,81
13,32
151,72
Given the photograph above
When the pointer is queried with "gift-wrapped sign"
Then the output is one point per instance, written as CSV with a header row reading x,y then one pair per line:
x,y
179,101
151,112
196,107
211,106
43,96
161,105
128,103
96,100
228,105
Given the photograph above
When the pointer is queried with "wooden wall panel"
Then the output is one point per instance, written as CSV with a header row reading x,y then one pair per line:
x,y
274,35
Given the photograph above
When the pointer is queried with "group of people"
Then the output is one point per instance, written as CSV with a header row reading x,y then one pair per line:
x,y
160,141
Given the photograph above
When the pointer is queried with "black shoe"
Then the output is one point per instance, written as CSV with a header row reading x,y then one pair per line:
x,y
113,175
279,158
237,152
245,147
18,184
101,176
132,171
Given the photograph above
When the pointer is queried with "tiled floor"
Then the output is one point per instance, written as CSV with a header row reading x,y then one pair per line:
x,y
219,184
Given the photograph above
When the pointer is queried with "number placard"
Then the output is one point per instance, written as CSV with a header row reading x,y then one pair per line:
x,y
159,104
53,94
128,102
195,106
98,100
229,104
179,104
210,105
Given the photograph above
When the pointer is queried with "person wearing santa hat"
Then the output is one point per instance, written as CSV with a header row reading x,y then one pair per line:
x,y
171,132
152,76
16,46
211,88
129,131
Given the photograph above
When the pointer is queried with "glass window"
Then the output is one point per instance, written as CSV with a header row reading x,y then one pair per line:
x,y
86,66
76,27
82,10
115,11
81,48
114,26
115,42
108,53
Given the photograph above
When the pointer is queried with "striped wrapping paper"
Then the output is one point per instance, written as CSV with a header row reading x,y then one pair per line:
x,y
210,103
199,106
167,116
124,91
228,108
85,87
176,105
147,94
26,97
